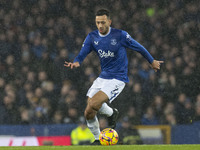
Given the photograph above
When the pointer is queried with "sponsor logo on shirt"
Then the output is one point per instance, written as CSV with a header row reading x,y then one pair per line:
x,y
104,54
96,42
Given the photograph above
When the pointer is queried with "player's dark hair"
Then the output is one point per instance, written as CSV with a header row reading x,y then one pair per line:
x,y
102,12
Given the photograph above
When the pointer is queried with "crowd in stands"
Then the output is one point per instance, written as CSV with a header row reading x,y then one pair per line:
x,y
37,36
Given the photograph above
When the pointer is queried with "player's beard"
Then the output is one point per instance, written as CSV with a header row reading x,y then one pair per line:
x,y
105,31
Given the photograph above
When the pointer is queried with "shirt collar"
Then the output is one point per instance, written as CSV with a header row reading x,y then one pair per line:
x,y
101,35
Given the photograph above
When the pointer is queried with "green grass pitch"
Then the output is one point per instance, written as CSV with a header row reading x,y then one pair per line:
x,y
115,147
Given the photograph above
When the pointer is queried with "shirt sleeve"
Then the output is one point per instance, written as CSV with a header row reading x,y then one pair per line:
x,y
85,50
129,42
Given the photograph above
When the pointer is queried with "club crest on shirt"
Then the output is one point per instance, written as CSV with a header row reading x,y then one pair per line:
x,y
113,42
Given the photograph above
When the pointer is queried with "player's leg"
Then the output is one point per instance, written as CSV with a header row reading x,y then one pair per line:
x,y
95,93
111,113
106,110
102,91
93,105
112,89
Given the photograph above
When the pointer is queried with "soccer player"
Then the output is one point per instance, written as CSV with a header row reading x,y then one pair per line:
x,y
110,45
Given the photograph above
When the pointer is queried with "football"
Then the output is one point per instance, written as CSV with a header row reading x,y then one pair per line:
x,y
108,136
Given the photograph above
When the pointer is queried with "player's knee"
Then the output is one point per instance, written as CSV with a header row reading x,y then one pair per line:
x,y
89,114
91,110
94,105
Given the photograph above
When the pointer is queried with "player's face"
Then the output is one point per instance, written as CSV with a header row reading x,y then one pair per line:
x,y
103,23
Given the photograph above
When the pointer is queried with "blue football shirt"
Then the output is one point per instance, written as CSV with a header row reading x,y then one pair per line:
x,y
111,49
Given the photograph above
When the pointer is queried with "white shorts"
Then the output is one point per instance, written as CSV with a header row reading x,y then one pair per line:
x,y
111,87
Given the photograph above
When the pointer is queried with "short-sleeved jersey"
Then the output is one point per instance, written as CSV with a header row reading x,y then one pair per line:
x,y
111,50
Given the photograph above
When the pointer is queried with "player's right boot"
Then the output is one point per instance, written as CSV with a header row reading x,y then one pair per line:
x,y
112,120
96,142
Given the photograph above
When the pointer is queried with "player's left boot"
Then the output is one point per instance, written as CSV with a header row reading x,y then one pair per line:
x,y
112,120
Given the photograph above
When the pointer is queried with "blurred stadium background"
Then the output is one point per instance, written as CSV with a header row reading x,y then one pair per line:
x,y
40,100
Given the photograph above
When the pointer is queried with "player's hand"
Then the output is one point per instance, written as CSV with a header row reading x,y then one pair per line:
x,y
71,65
156,65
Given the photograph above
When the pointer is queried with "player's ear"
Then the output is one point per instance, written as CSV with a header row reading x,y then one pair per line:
x,y
110,21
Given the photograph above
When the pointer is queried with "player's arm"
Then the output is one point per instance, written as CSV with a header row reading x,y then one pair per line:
x,y
85,50
129,42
